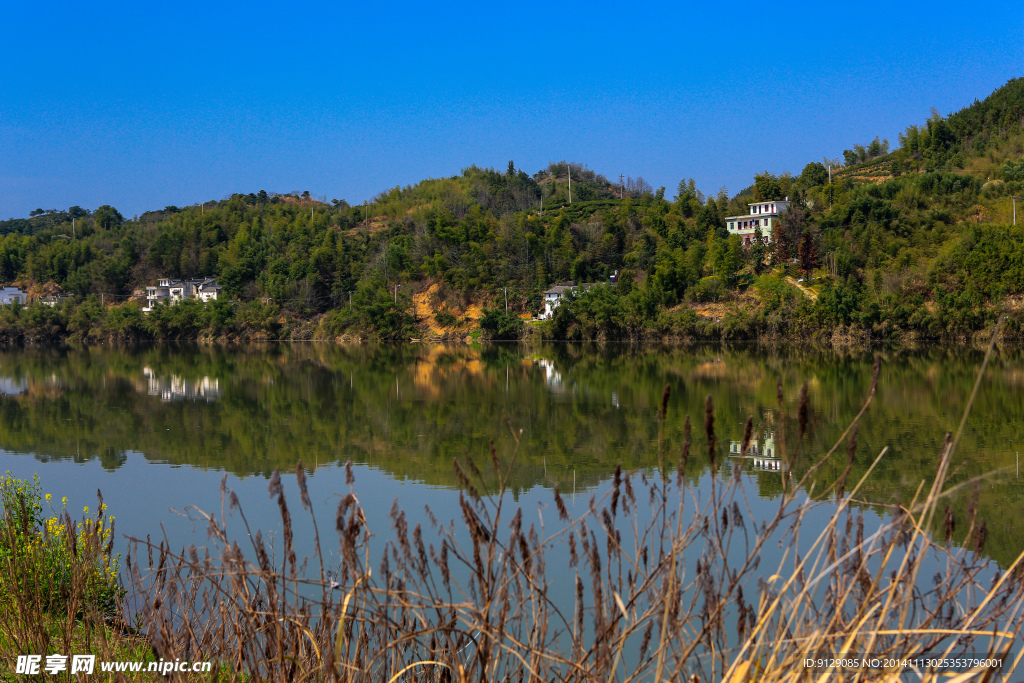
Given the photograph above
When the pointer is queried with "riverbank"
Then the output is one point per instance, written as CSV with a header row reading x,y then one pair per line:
x,y
599,315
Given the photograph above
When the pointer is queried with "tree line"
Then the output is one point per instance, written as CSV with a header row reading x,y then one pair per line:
x,y
877,238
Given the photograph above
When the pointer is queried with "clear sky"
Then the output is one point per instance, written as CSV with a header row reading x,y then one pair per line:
x,y
146,104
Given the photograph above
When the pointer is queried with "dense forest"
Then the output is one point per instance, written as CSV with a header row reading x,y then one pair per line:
x,y
917,242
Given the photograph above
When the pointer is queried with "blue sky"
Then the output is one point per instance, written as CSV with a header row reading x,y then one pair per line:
x,y
141,105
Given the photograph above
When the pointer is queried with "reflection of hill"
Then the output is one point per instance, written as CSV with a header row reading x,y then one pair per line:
x,y
409,410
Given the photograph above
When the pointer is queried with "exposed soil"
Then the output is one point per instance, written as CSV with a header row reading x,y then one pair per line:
x,y
807,291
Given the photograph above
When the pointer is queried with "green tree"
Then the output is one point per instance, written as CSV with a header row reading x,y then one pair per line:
x,y
498,325
709,218
814,174
107,217
758,252
766,187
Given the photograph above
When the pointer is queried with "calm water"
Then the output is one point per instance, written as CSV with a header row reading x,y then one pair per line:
x,y
156,428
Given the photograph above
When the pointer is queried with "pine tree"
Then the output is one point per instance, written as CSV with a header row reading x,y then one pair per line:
x,y
808,255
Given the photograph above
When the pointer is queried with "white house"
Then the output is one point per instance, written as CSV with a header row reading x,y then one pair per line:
x,y
54,301
171,291
763,216
10,295
553,297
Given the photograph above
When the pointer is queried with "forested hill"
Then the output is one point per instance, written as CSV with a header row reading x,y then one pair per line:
x,y
913,242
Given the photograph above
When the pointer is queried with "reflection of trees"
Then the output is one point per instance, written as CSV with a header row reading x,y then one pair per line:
x,y
410,409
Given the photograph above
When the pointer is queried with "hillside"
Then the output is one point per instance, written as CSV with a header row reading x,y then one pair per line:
x,y
906,243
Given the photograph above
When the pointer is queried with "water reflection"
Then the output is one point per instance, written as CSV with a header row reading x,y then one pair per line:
x,y
10,386
408,410
177,388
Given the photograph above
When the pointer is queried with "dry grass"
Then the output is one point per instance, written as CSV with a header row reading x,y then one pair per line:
x,y
660,580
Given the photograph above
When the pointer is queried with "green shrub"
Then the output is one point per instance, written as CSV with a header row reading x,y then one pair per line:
x,y
708,290
445,318
48,564
496,324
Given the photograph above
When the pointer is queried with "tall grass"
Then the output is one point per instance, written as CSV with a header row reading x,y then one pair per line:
x,y
658,580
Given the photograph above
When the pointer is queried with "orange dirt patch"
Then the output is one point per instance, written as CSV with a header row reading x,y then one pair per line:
x,y
426,311
711,311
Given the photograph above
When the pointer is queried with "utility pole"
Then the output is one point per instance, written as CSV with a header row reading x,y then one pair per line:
x,y
621,186
506,299
72,226
396,293
568,170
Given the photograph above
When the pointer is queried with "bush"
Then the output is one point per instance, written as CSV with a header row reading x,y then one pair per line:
x,y
499,325
50,565
708,290
445,318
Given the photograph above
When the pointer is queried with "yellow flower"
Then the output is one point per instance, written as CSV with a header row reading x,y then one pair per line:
x,y
49,496
64,500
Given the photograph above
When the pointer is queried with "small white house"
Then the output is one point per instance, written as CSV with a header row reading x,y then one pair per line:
x,y
11,295
762,216
54,301
171,291
553,297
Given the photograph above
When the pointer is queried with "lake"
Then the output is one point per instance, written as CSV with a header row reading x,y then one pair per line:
x,y
157,427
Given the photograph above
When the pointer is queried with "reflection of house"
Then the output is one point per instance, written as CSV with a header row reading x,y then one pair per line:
x,y
763,216
12,387
179,389
761,452
169,290
765,446
552,377
10,295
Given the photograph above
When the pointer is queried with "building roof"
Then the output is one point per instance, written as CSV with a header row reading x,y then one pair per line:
x,y
560,289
